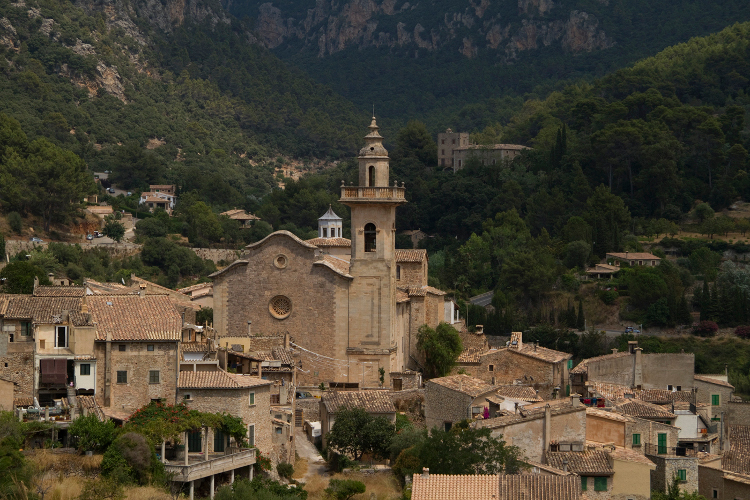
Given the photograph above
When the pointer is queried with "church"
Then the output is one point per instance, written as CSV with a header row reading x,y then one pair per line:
x,y
351,308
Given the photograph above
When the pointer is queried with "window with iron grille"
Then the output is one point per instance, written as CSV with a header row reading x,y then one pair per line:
x,y
153,376
122,377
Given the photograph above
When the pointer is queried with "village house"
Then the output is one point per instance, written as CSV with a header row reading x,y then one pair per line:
x,y
487,154
508,398
602,271
541,429
546,370
448,141
201,294
727,476
348,315
632,259
428,486
667,371
6,395
137,338
593,467
713,390
451,399
245,219
238,395
377,403
159,196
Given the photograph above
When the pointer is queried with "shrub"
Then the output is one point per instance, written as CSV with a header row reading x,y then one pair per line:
x,y
706,329
344,489
743,332
130,459
92,433
285,470
15,222
608,296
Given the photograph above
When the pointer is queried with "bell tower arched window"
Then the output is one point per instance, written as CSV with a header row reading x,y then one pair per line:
x,y
370,234
371,176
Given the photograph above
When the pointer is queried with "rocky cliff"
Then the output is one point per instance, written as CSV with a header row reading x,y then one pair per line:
x,y
332,26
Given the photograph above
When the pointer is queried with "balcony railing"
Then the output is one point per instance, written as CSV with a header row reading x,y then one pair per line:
x,y
386,193
676,451
184,473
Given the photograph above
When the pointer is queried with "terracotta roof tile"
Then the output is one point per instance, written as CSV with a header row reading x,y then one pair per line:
x,y
401,296
455,487
372,401
710,380
24,401
523,415
59,291
198,286
642,409
661,396
540,487
582,367
542,353
411,255
464,384
239,214
283,355
581,462
471,355
597,412
338,265
608,391
218,379
622,454
739,437
331,242
46,310
520,392
552,403
737,461
634,256
132,317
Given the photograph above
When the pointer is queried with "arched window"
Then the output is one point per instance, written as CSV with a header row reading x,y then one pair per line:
x,y
370,237
371,176
325,232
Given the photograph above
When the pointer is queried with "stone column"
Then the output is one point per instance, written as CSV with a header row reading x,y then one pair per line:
x,y
212,487
251,472
163,451
204,448
192,489
231,477
185,441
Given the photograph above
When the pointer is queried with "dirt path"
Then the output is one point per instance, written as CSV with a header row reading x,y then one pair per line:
x,y
316,466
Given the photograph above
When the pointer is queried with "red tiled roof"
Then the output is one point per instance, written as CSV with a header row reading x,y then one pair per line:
x,y
372,401
470,356
658,396
711,380
464,384
540,487
521,392
597,412
455,487
340,266
59,291
132,317
633,256
411,255
46,310
218,379
642,409
331,242
581,462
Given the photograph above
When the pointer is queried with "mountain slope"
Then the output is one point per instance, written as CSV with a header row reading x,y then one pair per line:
x,y
431,57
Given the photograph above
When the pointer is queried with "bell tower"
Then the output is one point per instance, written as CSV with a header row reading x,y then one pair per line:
x,y
372,293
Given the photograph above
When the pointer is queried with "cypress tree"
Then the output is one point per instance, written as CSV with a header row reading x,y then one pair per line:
x,y
705,301
581,321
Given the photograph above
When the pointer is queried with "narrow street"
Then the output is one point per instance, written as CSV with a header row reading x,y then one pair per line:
x,y
316,466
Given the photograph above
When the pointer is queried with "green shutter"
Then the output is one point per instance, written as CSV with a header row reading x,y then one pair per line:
x,y
682,474
567,390
714,400
219,441
194,442
636,439
584,483
570,364
600,484
662,444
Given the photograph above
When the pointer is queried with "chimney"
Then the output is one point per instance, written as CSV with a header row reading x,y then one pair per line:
x,y
614,350
36,282
575,400
536,344
547,426
84,306
726,371
515,409
260,369
249,329
142,290
286,340
479,329
425,472
638,368
565,465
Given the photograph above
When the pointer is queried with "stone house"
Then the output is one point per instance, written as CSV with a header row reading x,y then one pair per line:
x,y
602,271
47,344
487,154
670,466
242,396
632,472
201,294
137,345
6,395
342,305
245,219
546,370
451,399
447,142
593,467
508,398
428,486
634,369
159,196
713,390
535,431
633,259
377,403
696,432
725,477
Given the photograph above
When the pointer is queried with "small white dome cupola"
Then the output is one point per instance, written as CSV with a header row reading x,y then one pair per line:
x,y
329,225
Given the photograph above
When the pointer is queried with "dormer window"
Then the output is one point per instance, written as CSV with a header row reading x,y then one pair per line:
x,y
370,234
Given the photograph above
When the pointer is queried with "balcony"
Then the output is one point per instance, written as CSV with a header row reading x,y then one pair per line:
x,y
386,194
205,468
677,451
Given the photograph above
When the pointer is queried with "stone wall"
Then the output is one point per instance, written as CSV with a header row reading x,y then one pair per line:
x,y
17,364
666,470
137,361
649,432
217,254
703,396
412,274
738,413
710,479
310,408
661,370
509,366
236,402
444,405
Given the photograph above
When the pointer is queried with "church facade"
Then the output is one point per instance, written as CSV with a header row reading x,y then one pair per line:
x,y
352,308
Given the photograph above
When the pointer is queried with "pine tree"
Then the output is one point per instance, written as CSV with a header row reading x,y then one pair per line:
x,y
581,321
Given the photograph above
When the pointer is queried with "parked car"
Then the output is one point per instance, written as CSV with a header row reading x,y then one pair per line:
x,y
111,190
97,234
89,236
303,395
34,239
